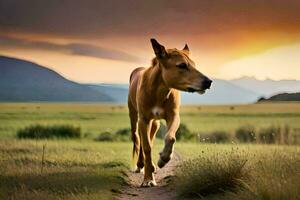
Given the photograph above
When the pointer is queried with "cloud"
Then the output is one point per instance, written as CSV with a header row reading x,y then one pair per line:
x,y
277,63
101,18
73,48
217,31
100,52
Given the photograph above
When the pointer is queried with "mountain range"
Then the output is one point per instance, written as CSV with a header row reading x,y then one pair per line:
x,y
282,97
222,92
26,81
22,80
268,87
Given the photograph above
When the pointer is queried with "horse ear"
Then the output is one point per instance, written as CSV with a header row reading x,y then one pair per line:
x,y
159,50
186,49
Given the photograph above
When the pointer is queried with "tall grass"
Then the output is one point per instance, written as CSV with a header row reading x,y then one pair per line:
x,y
215,137
246,133
205,176
123,134
274,177
55,131
266,174
273,134
72,169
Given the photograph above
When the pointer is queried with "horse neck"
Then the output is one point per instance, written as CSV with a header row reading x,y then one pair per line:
x,y
156,85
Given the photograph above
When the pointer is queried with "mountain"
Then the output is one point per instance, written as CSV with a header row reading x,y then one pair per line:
x,y
237,91
283,97
222,92
268,87
26,81
118,92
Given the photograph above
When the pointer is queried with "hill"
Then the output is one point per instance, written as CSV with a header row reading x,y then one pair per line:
x,y
222,92
117,92
282,97
21,80
26,81
267,87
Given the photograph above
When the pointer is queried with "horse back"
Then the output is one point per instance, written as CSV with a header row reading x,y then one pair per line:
x,y
133,85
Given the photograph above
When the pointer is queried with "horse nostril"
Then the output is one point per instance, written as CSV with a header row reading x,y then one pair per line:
x,y
210,82
207,83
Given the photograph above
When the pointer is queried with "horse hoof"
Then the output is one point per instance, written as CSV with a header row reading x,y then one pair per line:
x,y
150,183
139,170
161,163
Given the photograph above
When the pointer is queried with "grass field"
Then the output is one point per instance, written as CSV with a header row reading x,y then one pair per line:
x,y
231,172
76,169
95,118
71,169
86,169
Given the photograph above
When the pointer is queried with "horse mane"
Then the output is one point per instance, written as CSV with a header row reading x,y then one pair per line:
x,y
154,62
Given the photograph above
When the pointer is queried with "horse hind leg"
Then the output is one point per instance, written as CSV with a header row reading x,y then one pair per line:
x,y
136,139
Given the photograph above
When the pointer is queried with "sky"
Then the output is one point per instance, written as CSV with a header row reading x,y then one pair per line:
x,y
96,41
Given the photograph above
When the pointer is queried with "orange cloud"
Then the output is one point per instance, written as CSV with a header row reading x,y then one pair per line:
x,y
217,32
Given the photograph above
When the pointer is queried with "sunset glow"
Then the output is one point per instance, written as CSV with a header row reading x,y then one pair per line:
x,y
227,40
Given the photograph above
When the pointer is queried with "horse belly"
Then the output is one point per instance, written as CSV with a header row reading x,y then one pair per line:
x,y
157,112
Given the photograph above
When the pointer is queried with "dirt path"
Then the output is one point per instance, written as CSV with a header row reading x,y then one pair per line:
x,y
162,191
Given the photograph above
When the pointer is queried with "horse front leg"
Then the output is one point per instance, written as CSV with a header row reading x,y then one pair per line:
x,y
145,130
165,155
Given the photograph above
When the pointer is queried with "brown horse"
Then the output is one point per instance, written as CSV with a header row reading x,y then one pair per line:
x,y
153,95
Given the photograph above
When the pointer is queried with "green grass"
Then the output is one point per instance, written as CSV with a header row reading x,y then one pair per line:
x,y
250,172
91,118
72,169
229,118
86,169
44,132
96,118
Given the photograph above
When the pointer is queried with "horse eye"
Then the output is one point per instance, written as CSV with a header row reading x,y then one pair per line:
x,y
182,66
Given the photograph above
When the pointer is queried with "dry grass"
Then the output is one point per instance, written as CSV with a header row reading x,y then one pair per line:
x,y
94,119
84,169
254,172
71,169
203,176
